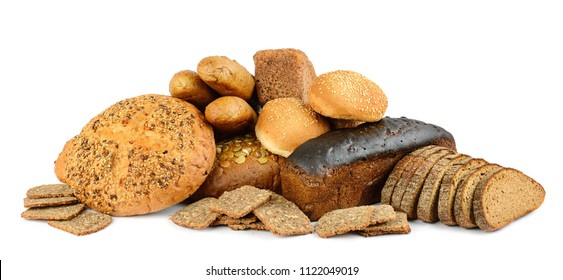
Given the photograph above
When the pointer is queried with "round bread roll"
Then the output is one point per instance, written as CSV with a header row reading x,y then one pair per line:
x,y
188,86
285,123
139,156
240,161
226,76
230,115
347,95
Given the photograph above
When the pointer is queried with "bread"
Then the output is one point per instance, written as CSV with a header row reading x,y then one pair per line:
x,y
240,161
231,115
285,123
282,73
188,86
340,123
347,95
348,167
427,208
138,156
505,196
451,181
226,76
463,201
409,202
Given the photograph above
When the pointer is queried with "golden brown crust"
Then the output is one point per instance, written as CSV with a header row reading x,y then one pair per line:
x,y
230,115
188,86
347,95
285,123
140,155
226,76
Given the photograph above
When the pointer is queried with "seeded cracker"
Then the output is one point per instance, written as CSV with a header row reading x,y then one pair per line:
x,y
85,223
64,212
241,201
255,226
51,190
283,217
341,221
225,220
46,202
196,215
399,225
382,214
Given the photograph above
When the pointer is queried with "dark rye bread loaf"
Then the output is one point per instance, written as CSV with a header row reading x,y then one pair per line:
x,y
348,167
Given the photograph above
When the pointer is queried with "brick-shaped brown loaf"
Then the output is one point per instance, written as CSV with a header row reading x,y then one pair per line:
x,y
348,167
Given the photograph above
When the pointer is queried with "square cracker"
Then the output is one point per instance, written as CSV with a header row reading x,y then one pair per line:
x,y
241,201
255,226
84,223
283,217
382,213
63,212
344,220
399,225
50,190
196,215
50,201
225,220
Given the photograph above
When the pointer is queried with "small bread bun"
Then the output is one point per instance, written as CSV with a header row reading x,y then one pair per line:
x,y
226,76
188,86
230,115
285,123
347,95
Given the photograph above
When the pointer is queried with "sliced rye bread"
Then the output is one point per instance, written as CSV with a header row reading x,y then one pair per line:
x,y
427,209
450,182
387,191
404,179
463,202
505,196
409,201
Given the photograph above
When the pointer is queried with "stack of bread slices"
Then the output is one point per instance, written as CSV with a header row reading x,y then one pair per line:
x,y
435,183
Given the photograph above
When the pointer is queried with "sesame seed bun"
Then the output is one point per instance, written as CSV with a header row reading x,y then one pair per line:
x,y
347,95
286,123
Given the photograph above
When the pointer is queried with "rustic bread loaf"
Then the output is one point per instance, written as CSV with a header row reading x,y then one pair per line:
x,y
505,196
348,167
140,155
282,73
239,161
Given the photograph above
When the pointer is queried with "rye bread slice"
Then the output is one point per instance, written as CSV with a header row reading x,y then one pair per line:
x,y
427,209
451,181
387,191
409,202
505,196
463,202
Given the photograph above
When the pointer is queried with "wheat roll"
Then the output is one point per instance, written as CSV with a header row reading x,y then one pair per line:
x,y
226,76
188,86
286,123
344,94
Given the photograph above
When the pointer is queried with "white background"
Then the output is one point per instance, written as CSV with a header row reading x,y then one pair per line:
x,y
490,72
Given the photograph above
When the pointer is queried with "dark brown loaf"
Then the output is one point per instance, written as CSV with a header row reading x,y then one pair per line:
x,y
348,167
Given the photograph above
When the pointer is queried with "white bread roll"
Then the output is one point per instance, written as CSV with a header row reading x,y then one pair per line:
x,y
347,95
285,123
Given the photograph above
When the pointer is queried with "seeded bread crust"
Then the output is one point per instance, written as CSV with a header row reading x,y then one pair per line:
x,y
505,196
463,202
427,209
411,196
451,181
140,155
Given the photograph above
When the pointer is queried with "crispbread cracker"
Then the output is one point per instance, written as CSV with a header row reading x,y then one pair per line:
x,y
399,225
51,201
283,217
63,212
341,221
226,220
255,226
196,215
50,190
240,201
382,214
84,223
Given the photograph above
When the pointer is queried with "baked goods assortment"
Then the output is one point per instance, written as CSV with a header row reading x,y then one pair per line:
x,y
284,150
